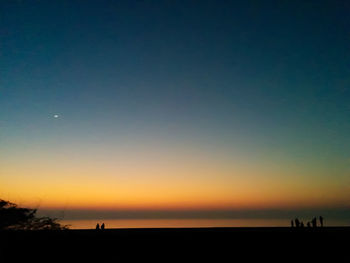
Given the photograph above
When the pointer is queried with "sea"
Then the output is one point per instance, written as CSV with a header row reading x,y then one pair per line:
x,y
187,223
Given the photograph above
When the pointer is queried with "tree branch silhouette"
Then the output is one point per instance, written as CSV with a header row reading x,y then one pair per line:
x,y
16,218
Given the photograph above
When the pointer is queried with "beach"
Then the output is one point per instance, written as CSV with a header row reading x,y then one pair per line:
x,y
154,243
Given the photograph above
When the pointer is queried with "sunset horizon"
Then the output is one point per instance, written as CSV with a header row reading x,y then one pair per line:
x,y
181,109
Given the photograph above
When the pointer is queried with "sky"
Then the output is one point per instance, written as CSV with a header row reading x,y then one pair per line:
x,y
175,105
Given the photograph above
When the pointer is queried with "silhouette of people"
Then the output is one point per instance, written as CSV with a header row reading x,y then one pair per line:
x,y
308,224
98,226
103,226
302,224
321,221
292,223
297,222
314,222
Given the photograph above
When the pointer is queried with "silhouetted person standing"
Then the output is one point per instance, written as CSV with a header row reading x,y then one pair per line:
x,y
103,226
308,224
314,222
302,224
98,226
321,221
291,223
297,222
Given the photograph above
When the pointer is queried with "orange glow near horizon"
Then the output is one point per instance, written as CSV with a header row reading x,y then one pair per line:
x,y
164,181
186,189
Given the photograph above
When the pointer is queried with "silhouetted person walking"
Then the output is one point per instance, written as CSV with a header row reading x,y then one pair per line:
x,y
314,222
103,226
98,226
321,221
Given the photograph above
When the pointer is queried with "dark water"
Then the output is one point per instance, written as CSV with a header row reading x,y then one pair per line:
x,y
180,223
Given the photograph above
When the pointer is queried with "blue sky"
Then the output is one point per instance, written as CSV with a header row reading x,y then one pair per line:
x,y
264,80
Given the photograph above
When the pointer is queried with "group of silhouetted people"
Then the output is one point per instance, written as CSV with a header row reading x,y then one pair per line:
x,y
102,226
313,223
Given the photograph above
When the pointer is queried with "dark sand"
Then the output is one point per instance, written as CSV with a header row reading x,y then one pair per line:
x,y
218,244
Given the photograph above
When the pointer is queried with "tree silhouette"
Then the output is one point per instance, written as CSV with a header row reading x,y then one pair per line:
x,y
14,217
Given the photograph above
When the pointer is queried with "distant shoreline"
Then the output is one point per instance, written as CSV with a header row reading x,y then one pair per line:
x,y
213,228
187,223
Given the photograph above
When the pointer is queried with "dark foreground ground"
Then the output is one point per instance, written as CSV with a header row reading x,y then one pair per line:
x,y
167,245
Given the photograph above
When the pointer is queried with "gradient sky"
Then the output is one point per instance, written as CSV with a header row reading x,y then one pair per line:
x,y
175,104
